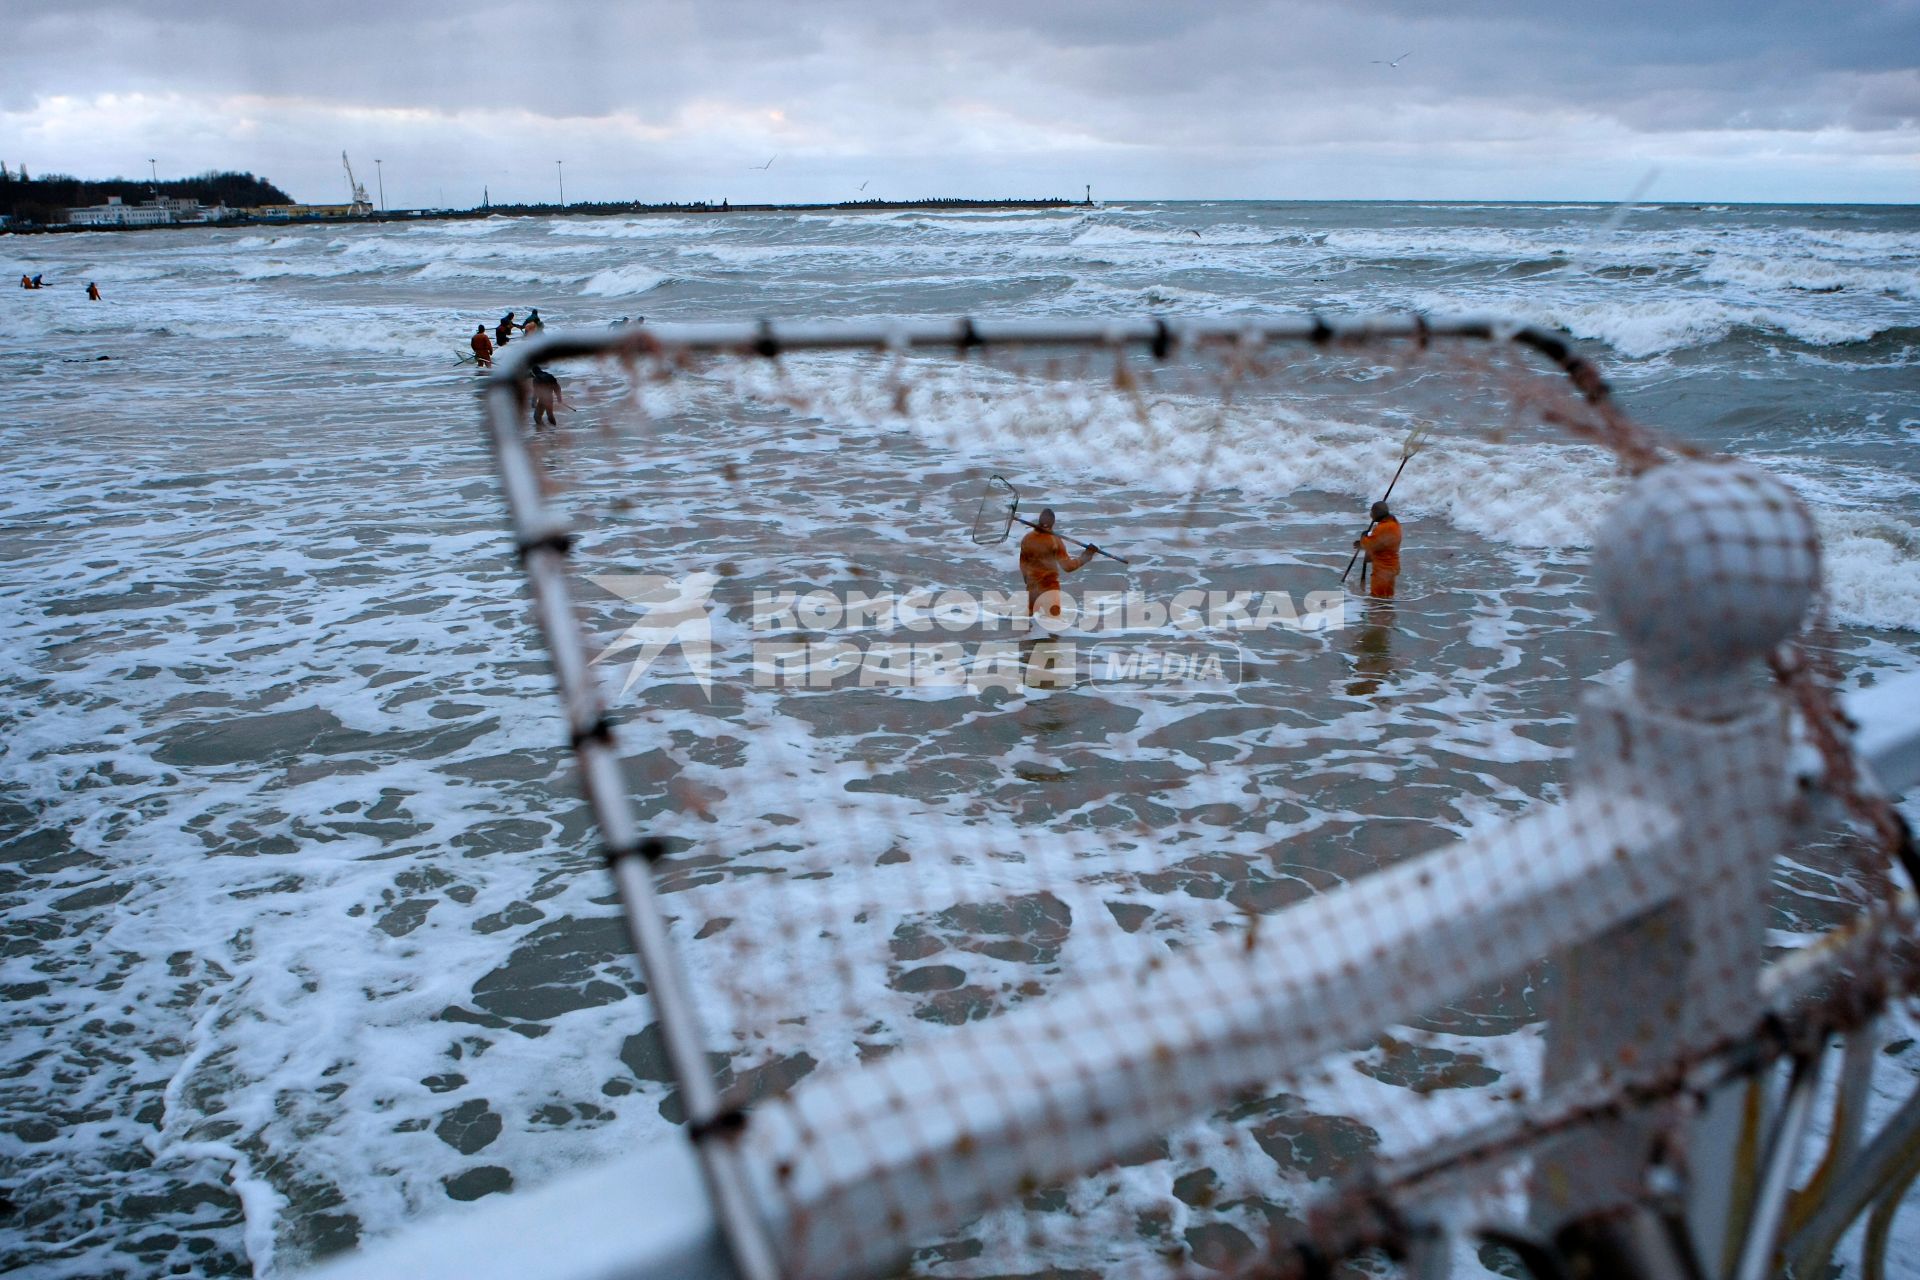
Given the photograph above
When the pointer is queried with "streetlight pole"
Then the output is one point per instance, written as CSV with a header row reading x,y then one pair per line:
x,y
380,177
563,181
154,171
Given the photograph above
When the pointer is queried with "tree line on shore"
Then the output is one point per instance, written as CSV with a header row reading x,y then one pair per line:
x,y
45,200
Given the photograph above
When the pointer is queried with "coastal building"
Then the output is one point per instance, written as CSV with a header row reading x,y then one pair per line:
x,y
117,213
289,212
158,212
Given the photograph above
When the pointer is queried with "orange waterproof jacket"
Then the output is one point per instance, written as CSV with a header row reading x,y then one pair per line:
x,y
1382,545
1042,557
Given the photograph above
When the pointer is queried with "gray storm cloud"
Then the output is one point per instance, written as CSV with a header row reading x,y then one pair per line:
x,y
675,100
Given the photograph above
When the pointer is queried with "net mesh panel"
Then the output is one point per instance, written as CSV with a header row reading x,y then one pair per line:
x,y
902,829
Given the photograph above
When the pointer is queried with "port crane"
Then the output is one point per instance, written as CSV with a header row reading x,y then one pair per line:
x,y
361,205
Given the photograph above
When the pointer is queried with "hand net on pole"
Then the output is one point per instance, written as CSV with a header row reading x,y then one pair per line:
x,y
993,515
900,825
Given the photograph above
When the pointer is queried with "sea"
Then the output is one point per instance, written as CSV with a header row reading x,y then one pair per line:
x,y
306,934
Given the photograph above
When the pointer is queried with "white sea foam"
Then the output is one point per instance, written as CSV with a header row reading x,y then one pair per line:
x,y
1872,567
404,251
1163,237
1453,243
1819,275
1665,323
310,269
853,221
462,228
999,226
649,228
1671,325
1870,244
623,282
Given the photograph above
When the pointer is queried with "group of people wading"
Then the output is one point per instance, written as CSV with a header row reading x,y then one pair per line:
x,y
35,282
1044,557
542,388
502,332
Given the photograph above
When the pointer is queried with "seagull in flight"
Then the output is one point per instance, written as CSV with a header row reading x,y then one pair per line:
x,y
768,164
863,186
1395,63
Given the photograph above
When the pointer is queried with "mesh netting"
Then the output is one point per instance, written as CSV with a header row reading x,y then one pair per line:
x,y
1213,922
993,517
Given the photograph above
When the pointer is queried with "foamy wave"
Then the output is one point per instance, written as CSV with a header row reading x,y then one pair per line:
x,y
1474,242
1172,296
631,229
623,282
747,254
324,269
979,225
400,251
458,269
1872,556
854,219
1664,325
1818,275
1107,235
988,215
462,228
1872,567
1661,327
1872,244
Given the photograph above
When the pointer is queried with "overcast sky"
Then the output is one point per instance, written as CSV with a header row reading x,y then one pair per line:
x,y
1800,100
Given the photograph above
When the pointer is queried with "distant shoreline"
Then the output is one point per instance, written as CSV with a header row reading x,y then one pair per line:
x,y
624,208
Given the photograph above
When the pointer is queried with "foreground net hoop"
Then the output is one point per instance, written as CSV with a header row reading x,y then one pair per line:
x,y
544,539
993,518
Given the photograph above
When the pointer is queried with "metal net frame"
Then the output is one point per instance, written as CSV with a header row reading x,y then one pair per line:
x,y
986,1010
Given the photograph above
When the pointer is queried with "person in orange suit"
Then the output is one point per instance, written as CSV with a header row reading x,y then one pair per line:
x,y
1043,558
1382,545
93,292
482,347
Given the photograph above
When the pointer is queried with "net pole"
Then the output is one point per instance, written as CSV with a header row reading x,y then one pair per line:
x,y
1783,1152
543,541
1697,732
